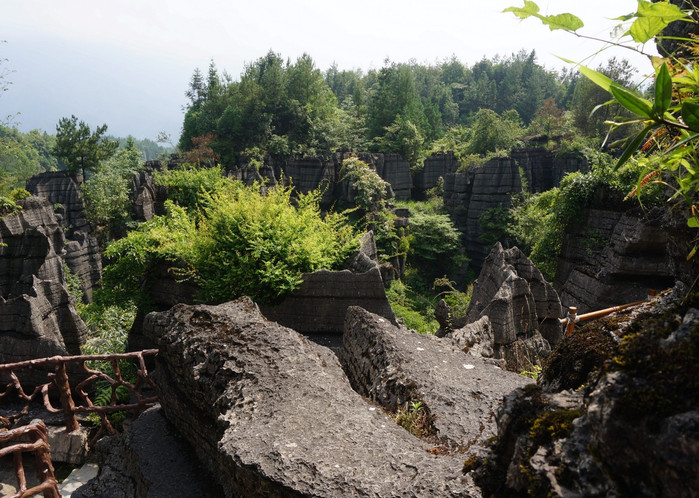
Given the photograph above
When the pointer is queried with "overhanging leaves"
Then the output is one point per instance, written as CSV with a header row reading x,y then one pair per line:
x,y
631,101
566,21
690,115
632,146
663,91
529,9
652,18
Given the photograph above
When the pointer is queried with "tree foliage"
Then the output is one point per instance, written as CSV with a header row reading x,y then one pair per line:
x,y
81,149
668,140
23,155
106,192
282,107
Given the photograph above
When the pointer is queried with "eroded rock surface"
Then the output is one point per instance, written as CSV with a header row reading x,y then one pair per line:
x,y
522,306
321,302
614,256
82,252
631,430
148,459
270,413
394,366
37,315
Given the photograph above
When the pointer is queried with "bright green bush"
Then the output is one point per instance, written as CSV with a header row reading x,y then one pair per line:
x,y
259,245
166,239
18,194
416,312
185,186
540,221
244,242
8,207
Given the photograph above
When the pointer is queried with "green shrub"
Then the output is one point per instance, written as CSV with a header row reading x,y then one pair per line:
x,y
493,224
8,207
259,245
457,300
370,190
540,221
435,244
164,239
185,186
416,311
244,243
73,284
18,194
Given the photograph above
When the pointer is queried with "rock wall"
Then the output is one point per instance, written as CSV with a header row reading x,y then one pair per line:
x,y
312,172
82,252
37,315
393,169
470,194
614,255
544,169
435,167
270,413
319,306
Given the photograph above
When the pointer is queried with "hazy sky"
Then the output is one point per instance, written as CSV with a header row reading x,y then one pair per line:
x,y
127,63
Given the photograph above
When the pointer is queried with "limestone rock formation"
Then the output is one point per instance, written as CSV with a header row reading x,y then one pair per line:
x,y
435,166
320,304
82,249
37,315
468,195
632,431
393,169
393,366
40,322
544,169
131,465
476,339
270,413
614,256
520,303
146,196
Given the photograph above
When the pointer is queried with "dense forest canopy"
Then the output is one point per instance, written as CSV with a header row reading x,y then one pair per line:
x,y
281,107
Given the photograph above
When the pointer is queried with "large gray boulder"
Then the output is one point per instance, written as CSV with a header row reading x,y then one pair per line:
x,y
394,366
270,413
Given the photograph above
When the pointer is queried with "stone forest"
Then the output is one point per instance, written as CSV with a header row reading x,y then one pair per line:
x,y
498,303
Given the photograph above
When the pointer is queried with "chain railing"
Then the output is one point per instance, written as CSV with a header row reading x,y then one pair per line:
x,y
30,438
